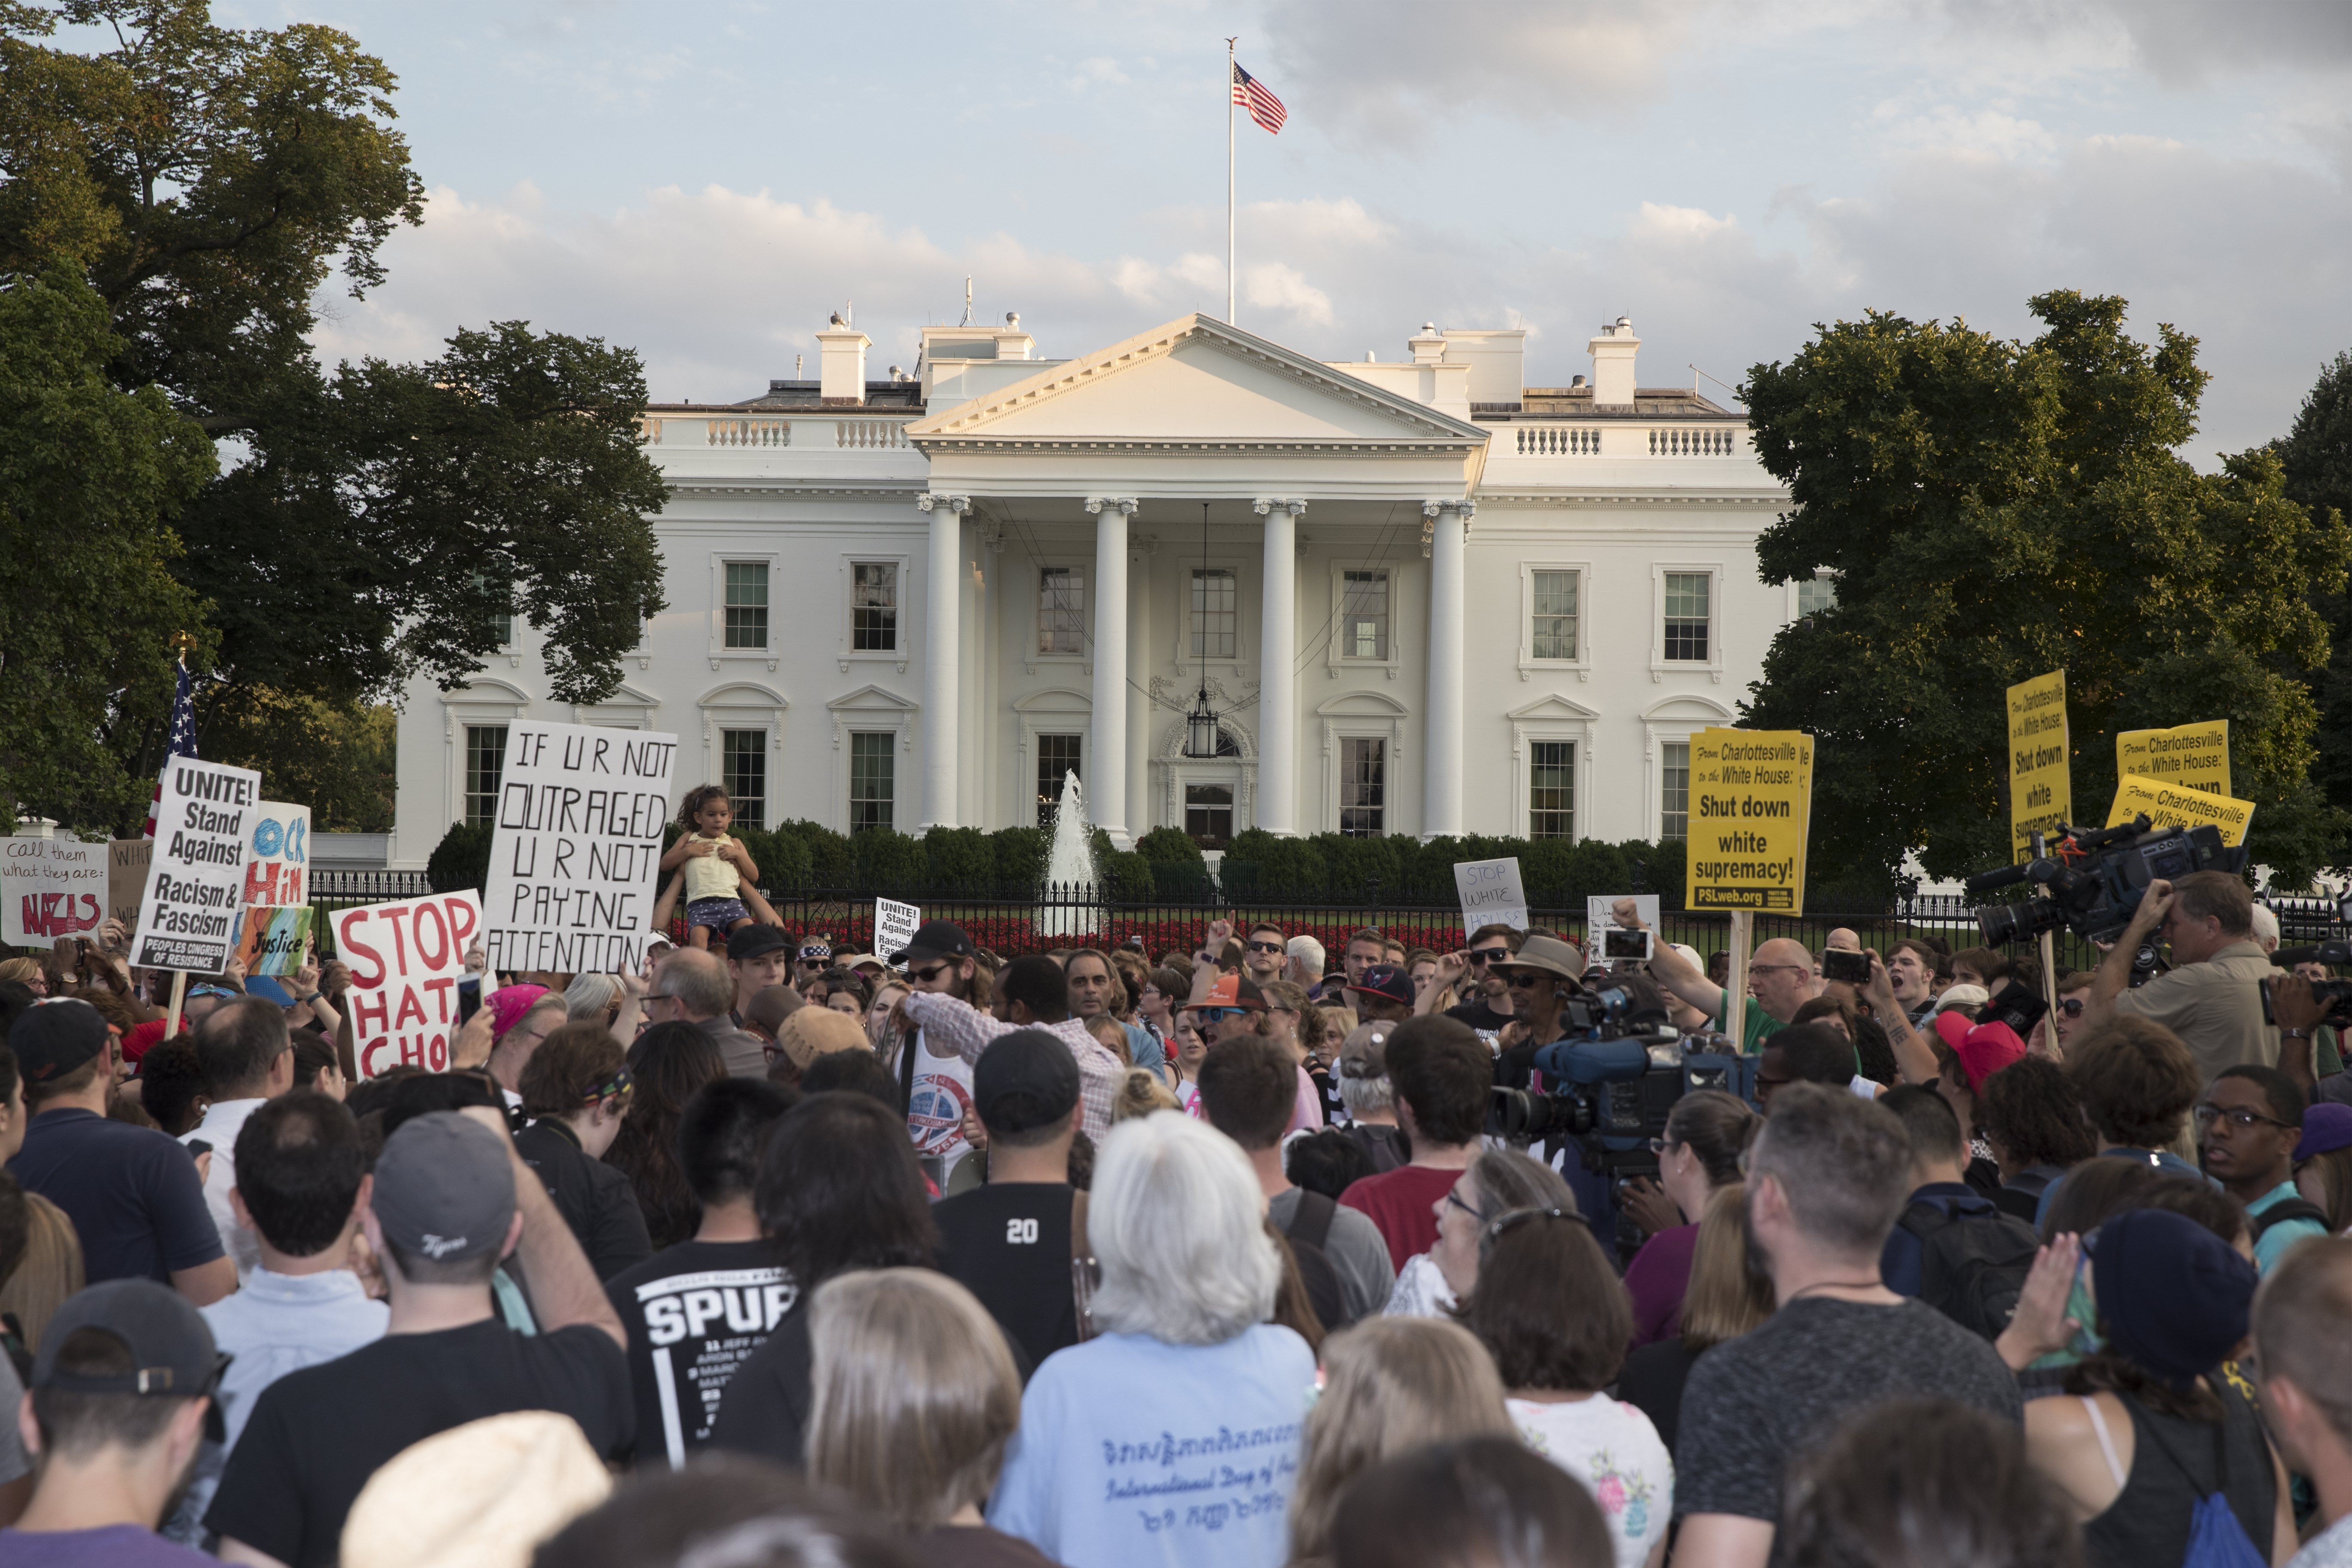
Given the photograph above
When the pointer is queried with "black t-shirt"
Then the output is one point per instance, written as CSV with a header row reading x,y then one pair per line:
x,y
695,1313
1481,1017
316,1436
1009,1244
595,1200
765,1409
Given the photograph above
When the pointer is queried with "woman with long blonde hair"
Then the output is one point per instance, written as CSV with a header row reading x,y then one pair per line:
x,y
50,1272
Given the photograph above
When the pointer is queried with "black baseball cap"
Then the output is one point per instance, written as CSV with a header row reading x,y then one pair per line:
x,y
754,940
934,939
1025,1080
173,1353
1387,980
52,1038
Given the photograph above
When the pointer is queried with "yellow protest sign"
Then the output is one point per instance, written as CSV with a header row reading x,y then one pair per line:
x,y
2170,805
1751,802
2195,756
2040,784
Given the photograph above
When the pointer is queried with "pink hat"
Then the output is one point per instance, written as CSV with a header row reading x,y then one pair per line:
x,y
1987,1048
509,1004
1953,1027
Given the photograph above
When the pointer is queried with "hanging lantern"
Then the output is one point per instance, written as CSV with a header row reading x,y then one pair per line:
x,y
1201,727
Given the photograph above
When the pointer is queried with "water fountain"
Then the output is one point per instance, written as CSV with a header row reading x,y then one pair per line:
x,y
1070,873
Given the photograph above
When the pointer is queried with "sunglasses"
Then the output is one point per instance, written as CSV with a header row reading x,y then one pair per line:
x,y
1217,1014
1489,954
1267,947
927,975
2070,1005
1527,979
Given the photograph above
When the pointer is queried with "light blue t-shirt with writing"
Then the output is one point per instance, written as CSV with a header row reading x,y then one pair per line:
x,y
1133,1451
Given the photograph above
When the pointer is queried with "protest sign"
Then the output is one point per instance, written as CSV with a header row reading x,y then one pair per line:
x,y
2174,805
126,878
405,959
2193,756
274,941
278,871
195,883
575,847
1600,909
51,888
1751,796
894,927
1491,894
2041,781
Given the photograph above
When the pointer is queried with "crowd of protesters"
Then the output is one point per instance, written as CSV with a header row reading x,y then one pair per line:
x,y
776,1254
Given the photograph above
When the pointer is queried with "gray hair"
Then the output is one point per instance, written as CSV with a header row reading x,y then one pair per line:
x,y
1367,1095
588,996
553,1002
1307,955
2265,928
1176,1219
698,982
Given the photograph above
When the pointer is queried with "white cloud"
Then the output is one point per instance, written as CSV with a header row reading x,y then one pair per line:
x,y
1099,71
1273,285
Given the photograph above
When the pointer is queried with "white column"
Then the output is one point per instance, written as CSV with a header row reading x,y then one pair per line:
x,y
1138,696
1277,692
1441,789
1106,790
942,660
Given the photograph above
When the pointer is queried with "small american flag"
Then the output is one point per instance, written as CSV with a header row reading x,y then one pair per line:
x,y
183,738
1263,106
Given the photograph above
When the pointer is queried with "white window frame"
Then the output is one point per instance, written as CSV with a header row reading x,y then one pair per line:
x,y
744,705
1174,770
871,707
1365,715
482,700
1794,588
1672,720
1551,718
1187,662
718,653
845,656
1030,657
1056,711
1529,662
1334,659
1660,665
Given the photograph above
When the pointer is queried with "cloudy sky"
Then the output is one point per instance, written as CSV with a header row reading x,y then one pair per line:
x,y
705,182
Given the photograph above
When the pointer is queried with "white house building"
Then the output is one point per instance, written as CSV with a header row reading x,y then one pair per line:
x,y
1423,596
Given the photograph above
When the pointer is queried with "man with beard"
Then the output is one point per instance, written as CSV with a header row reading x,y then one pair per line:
x,y
121,1400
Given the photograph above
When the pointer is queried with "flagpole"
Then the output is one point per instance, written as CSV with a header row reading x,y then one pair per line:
x,y
1230,63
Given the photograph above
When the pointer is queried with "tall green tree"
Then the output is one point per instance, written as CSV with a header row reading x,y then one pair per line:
x,y
1993,510
91,477
2316,458
381,521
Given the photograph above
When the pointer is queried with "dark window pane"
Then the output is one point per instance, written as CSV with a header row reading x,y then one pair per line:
x,y
743,774
1674,790
486,761
871,780
1208,814
1056,755
1551,789
746,604
1363,786
873,607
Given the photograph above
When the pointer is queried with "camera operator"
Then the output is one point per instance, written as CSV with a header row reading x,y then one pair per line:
x,y
2213,996
1541,977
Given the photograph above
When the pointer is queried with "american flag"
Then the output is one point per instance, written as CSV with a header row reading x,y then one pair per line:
x,y
183,738
1263,106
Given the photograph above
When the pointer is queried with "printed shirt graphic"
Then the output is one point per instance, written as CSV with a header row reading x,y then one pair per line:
x,y
1615,1452
695,1313
942,1094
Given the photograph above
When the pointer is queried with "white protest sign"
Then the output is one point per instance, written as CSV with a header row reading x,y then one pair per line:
x,y
574,848
127,860
51,888
189,911
1600,910
894,927
406,960
1492,894
277,872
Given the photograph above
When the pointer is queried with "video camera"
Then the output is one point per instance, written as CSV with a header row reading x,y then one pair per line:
x,y
2096,877
2337,994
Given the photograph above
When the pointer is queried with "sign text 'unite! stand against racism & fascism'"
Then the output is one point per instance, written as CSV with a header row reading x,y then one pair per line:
x,y
189,914
575,847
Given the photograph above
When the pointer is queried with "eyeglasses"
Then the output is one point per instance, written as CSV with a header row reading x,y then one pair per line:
x,y
1662,1145
1517,1217
927,975
1785,968
1487,954
1478,1214
1267,947
2242,1120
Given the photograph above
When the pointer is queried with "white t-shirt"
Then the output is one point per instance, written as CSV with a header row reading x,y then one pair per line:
x,y
1421,1290
942,1094
1612,1448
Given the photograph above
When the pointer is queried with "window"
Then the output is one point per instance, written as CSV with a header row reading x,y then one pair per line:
x,y
1363,786
1817,595
1061,610
1208,814
871,781
746,604
486,760
1551,789
1553,633
505,629
1674,790
1686,619
1056,755
873,607
743,774
1364,614
1214,618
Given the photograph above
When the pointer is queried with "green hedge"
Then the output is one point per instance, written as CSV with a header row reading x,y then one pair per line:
x,y
1169,847
461,860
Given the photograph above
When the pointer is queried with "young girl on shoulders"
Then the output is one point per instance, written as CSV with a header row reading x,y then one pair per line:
x,y
717,868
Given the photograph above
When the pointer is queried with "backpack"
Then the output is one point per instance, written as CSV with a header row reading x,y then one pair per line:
x,y
2217,1537
2293,1209
1973,1260
1309,1227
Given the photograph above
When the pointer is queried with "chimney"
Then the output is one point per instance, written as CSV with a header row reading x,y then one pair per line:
x,y
841,364
1428,347
1613,363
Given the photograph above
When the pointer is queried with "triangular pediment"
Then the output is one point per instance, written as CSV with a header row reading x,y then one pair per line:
x,y
1194,382
872,700
1553,707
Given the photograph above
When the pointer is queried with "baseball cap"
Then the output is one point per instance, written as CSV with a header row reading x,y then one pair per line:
x,y
2326,1127
1364,1053
934,939
270,989
1985,1050
1231,991
815,947
1387,980
1025,1080
753,940
173,1353
445,1187
853,960
54,1037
